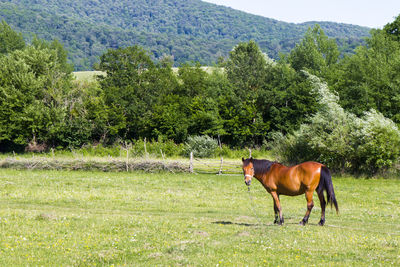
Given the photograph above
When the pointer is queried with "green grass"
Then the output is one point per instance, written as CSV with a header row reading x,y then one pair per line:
x,y
54,218
88,76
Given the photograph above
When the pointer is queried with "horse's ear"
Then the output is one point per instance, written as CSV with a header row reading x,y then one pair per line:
x,y
251,159
242,159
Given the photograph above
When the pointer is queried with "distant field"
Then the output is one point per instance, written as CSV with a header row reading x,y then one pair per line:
x,y
87,76
91,75
61,218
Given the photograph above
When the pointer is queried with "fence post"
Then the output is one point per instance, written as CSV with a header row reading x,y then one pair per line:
x,y
191,163
162,155
220,167
145,148
127,159
127,146
250,152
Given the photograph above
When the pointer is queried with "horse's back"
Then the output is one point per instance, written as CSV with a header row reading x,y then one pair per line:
x,y
297,179
309,173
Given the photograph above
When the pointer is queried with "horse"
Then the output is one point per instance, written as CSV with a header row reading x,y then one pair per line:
x,y
300,179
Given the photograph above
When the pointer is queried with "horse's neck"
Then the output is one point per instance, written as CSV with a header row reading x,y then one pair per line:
x,y
264,177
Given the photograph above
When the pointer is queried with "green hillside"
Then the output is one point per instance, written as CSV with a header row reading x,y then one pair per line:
x,y
188,30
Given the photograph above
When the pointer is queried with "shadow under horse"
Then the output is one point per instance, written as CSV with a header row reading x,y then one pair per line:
x,y
300,179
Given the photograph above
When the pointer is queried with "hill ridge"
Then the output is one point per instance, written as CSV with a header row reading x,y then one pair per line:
x,y
188,30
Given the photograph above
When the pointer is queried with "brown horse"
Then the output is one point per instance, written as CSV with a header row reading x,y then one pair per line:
x,y
292,181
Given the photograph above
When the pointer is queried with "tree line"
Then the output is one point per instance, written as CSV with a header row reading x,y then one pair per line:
x,y
189,30
243,101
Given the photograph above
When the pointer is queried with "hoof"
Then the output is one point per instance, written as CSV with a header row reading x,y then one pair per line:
x,y
302,223
321,223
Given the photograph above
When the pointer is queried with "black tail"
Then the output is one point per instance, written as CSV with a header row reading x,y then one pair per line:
x,y
325,183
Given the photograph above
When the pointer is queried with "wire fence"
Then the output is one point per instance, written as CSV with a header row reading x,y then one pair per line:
x,y
120,164
214,166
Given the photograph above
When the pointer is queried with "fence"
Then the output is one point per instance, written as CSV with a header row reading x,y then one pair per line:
x,y
214,166
194,165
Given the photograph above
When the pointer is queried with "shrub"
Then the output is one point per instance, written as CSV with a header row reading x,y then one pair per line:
x,y
339,139
201,146
378,146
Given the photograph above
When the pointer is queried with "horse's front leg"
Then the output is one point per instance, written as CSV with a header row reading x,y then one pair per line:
x,y
276,211
277,208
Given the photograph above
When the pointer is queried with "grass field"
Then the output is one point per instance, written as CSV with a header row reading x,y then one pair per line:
x,y
60,218
88,76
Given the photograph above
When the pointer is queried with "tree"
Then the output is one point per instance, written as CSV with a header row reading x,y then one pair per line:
x,y
393,29
371,77
315,53
62,54
193,80
246,69
287,99
170,119
133,86
9,39
32,93
340,139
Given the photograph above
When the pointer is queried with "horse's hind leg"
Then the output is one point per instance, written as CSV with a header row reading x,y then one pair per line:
x,y
323,205
310,205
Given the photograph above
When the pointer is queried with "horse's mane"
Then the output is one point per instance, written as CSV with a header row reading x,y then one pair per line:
x,y
260,166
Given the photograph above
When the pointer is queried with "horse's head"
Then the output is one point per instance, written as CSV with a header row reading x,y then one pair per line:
x,y
248,170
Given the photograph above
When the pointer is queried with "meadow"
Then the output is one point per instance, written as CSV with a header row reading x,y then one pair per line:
x,y
87,76
76,218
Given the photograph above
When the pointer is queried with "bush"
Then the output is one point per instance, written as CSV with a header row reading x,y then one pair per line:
x,y
341,140
378,146
201,146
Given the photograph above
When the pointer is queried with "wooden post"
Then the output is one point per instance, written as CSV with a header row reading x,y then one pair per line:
x,y
219,143
127,159
162,155
220,167
127,146
250,152
191,163
145,148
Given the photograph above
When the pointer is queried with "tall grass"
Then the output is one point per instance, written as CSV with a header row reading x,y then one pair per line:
x,y
142,149
59,218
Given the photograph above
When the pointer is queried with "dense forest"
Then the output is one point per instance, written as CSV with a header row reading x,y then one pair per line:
x,y
187,30
311,104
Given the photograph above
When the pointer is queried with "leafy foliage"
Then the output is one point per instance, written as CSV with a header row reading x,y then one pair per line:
x,y
246,101
379,143
370,79
33,90
201,146
9,39
315,52
188,30
340,139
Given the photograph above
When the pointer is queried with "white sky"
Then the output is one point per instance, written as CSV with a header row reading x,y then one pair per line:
x,y
370,13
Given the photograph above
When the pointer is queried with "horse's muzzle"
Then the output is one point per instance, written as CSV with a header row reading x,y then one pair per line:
x,y
247,182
